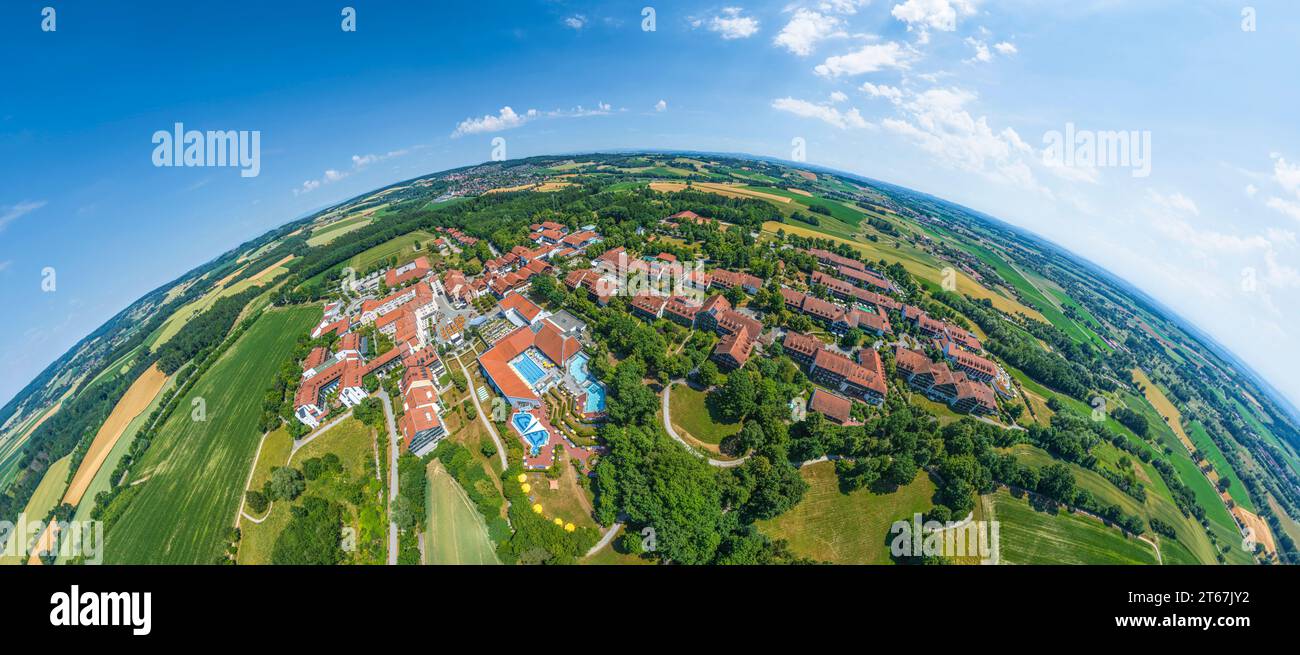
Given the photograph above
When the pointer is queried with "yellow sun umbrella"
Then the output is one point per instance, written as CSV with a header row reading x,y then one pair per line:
x,y
526,487
559,521
537,509
522,477
569,527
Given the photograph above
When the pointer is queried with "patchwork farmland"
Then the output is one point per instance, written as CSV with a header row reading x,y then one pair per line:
x,y
194,473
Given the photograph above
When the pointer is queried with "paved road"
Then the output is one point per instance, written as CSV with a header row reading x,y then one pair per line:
x,y
299,443
492,430
668,425
393,449
296,445
604,541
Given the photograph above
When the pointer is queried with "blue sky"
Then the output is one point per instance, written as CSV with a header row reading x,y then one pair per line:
x,y
951,97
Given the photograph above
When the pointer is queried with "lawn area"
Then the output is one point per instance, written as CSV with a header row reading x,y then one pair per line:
x,y
401,247
353,442
568,501
611,556
47,494
197,469
692,414
1028,536
829,526
454,530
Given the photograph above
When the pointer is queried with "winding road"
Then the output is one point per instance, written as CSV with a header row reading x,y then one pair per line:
x,y
492,430
668,426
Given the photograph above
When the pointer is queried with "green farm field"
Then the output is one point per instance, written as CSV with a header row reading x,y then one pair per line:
x,y
1158,504
46,496
103,478
1028,536
327,233
195,471
1196,432
454,530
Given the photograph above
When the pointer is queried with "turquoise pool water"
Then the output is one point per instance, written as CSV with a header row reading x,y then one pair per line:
x,y
595,401
531,430
528,369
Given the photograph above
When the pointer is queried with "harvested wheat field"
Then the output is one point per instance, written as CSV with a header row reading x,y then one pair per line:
x,y
272,267
136,399
727,190
1262,534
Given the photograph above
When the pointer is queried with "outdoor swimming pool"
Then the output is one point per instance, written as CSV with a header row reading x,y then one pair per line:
x,y
595,402
531,430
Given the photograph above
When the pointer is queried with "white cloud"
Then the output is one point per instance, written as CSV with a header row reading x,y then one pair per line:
x,y
1251,190
838,96
867,59
1286,175
805,29
842,6
1006,48
15,212
936,120
1169,214
505,119
662,105
359,162
4,265
732,25
830,115
362,161
982,54
1288,207
938,14
1175,201
576,21
890,93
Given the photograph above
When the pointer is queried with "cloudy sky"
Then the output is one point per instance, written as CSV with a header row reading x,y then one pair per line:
x,y
969,100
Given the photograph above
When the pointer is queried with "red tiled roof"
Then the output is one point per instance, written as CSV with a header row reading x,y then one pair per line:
x,y
963,358
414,270
737,345
911,361
716,303
525,307
733,321
649,303
831,404
315,358
548,339
682,306
804,344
